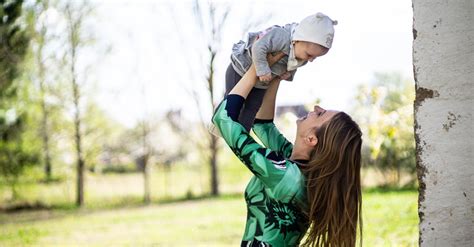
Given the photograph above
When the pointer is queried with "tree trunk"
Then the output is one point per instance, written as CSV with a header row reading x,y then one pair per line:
x,y
444,130
146,181
398,174
78,139
213,163
166,175
146,155
213,145
80,159
44,122
80,163
44,129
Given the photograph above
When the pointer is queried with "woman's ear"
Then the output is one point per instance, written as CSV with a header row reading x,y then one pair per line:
x,y
311,140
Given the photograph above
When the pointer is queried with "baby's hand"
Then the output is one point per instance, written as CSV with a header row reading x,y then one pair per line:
x,y
267,77
285,76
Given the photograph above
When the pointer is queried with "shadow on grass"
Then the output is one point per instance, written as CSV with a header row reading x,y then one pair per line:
x,y
28,212
390,189
24,212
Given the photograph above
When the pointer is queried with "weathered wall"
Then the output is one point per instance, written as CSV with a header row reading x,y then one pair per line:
x,y
443,64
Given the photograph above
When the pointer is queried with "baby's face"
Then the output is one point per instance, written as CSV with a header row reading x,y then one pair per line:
x,y
307,51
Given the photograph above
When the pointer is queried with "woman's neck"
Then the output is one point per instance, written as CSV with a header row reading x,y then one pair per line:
x,y
300,151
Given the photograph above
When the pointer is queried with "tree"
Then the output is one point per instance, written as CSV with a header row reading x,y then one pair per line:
x,y
15,153
14,41
100,133
211,20
384,111
211,23
41,36
139,147
75,13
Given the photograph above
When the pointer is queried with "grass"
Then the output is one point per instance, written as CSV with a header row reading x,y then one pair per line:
x,y
115,190
204,222
114,213
390,219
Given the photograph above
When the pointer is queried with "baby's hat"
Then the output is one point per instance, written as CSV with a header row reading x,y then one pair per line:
x,y
317,28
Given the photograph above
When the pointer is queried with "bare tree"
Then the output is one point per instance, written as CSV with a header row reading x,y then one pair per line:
x,y
147,151
40,38
75,15
211,19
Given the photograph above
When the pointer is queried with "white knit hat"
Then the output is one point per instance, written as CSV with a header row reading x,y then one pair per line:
x,y
317,29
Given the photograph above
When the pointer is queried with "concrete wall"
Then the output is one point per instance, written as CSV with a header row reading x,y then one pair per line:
x,y
443,64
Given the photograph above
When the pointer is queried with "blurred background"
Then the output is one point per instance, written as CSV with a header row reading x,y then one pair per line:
x,y
105,107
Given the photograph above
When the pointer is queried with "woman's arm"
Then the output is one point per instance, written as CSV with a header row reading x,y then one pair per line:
x,y
267,110
266,164
264,127
245,85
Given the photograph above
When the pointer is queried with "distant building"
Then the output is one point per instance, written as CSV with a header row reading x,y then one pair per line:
x,y
297,110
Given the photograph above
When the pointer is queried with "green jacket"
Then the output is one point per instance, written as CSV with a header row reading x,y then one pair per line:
x,y
276,194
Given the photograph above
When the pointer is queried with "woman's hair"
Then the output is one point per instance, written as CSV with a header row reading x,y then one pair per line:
x,y
333,184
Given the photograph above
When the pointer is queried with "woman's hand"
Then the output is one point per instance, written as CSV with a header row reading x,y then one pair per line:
x,y
267,110
272,59
267,77
285,76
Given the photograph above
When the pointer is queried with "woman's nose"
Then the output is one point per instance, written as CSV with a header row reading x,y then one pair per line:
x,y
317,108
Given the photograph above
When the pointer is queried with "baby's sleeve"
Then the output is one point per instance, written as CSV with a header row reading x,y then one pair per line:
x,y
275,40
292,77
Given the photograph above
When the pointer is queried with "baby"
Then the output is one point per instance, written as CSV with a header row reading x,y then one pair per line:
x,y
300,43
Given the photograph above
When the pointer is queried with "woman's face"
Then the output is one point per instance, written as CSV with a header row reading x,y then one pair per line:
x,y
314,119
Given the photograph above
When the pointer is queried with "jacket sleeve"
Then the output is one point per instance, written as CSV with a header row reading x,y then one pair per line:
x,y
292,77
271,137
276,39
265,164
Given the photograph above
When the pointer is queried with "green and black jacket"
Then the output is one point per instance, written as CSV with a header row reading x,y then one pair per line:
x,y
276,194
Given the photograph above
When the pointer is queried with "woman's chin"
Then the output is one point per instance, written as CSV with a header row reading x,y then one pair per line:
x,y
298,121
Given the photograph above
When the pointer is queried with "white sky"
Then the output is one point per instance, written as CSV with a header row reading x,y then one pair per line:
x,y
372,36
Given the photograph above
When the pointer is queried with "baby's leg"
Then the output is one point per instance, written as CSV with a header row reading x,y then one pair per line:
x,y
231,79
252,105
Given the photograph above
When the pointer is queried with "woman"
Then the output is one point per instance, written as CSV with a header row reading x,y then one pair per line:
x,y
310,186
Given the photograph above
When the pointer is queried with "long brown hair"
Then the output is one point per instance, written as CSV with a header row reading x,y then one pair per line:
x,y
333,184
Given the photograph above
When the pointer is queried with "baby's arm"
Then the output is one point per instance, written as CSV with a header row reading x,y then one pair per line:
x,y
273,41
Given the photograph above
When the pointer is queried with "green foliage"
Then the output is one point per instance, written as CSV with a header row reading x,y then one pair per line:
x,y
14,42
100,133
384,111
18,149
13,160
120,168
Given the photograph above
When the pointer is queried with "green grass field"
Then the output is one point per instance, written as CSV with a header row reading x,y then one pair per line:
x,y
390,219
114,215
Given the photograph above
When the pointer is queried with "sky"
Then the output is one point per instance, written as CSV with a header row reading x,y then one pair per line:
x,y
154,60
